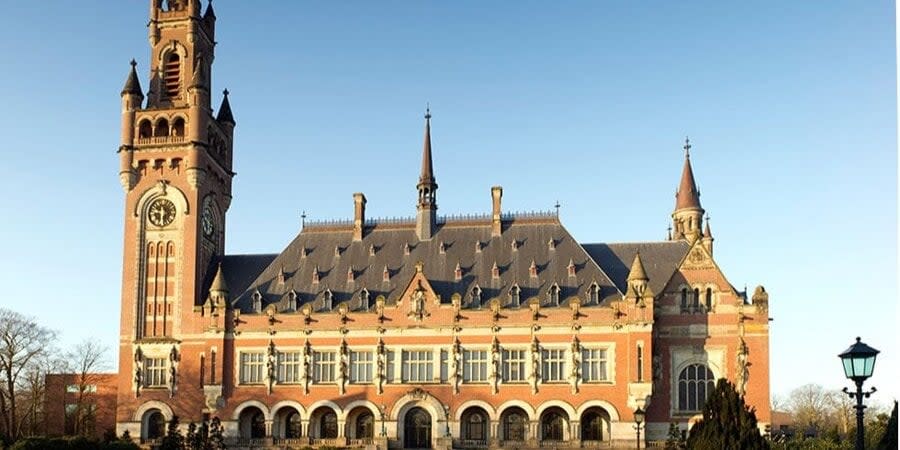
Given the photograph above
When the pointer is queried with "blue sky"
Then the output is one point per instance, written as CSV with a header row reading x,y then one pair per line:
x,y
790,106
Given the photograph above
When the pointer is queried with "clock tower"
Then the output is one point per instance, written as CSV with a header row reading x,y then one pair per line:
x,y
175,166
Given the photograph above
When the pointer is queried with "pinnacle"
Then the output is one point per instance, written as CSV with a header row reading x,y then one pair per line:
x,y
133,83
637,271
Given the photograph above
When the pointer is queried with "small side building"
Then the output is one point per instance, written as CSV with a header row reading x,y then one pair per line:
x,y
74,405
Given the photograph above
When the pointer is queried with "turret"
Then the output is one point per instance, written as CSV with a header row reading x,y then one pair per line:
x,y
707,237
688,215
637,279
132,97
218,290
426,209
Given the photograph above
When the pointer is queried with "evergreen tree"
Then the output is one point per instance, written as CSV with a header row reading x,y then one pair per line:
x,y
675,441
192,438
173,440
728,423
889,439
216,439
126,436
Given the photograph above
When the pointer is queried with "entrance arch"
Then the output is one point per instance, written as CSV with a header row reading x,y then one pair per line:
x,y
595,424
474,425
417,428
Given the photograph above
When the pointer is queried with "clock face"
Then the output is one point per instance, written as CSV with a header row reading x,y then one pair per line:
x,y
207,223
162,212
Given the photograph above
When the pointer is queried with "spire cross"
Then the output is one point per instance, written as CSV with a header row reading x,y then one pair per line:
x,y
427,111
687,147
557,205
133,63
303,218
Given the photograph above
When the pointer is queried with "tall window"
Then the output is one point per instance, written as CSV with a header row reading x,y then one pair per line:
x,y
289,367
640,362
593,365
328,426
418,366
154,372
708,302
553,365
696,297
553,293
391,357
172,75
514,366
684,298
474,425
323,367
594,294
514,294
252,368
695,383
515,422
361,367
475,364
445,369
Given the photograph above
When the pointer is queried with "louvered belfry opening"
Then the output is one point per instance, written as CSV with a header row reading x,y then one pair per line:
x,y
172,76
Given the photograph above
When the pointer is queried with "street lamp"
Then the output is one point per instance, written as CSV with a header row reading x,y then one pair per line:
x,y
638,420
859,362
383,428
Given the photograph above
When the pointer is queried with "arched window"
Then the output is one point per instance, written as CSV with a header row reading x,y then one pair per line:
x,y
515,295
696,298
553,424
474,423
695,383
364,300
145,129
328,428
476,296
178,127
593,422
684,298
515,421
172,75
708,302
365,425
155,425
328,299
162,128
594,294
252,423
553,293
292,425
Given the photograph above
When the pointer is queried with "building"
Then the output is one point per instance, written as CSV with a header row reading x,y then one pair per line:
x,y
498,330
80,405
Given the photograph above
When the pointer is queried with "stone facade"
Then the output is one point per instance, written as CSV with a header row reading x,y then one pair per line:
x,y
480,331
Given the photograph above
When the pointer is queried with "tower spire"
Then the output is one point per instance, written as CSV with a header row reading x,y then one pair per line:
x,y
426,208
133,83
688,215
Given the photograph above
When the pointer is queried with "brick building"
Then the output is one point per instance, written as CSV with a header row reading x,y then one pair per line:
x,y
73,405
495,330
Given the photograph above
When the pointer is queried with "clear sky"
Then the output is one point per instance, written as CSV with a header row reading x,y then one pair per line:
x,y
790,106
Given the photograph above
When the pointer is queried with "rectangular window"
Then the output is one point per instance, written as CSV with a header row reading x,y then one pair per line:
x,y
553,364
361,367
390,358
418,366
252,368
475,365
593,365
323,367
640,362
289,364
154,372
73,388
445,369
514,366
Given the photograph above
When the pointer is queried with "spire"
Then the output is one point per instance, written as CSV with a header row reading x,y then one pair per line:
x,y
199,79
133,83
637,269
225,115
707,233
209,14
218,283
427,176
688,196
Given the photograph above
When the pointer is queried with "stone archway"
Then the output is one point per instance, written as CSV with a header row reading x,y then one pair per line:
x,y
417,428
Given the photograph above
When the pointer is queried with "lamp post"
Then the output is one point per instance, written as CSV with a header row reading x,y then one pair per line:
x,y
638,420
859,363
383,428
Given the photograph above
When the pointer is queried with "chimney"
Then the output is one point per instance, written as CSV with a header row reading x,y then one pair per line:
x,y
359,215
496,224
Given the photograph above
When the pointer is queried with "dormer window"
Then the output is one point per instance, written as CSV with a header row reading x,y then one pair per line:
x,y
551,244
315,275
514,295
594,294
337,251
303,252
495,271
172,75
442,248
476,296
328,299
350,275
256,301
292,299
477,246
514,245
406,249
364,300
281,276
457,272
553,294
532,269
386,275
372,250
571,268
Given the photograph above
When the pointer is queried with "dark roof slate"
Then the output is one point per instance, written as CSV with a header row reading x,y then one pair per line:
x,y
660,259
290,275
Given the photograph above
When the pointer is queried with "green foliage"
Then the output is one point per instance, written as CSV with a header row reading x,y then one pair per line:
x,y
216,439
727,423
78,443
173,440
675,440
889,437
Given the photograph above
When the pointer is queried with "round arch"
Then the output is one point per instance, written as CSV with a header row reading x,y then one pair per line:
x,y
240,408
422,400
492,414
715,368
152,404
343,415
276,408
326,403
610,409
565,406
517,403
162,189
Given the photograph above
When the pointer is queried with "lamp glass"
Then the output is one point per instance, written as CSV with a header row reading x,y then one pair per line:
x,y
848,367
639,416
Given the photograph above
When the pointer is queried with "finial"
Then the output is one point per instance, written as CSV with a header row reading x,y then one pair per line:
x,y
687,147
225,92
303,218
557,205
427,111
133,63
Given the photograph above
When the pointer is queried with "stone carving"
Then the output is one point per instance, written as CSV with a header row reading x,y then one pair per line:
x,y
657,370
138,371
271,356
417,310
575,374
343,376
455,356
307,374
380,373
743,372
174,359
495,366
534,375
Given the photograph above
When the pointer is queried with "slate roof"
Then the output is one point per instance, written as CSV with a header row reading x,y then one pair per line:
x,y
288,280
239,271
660,259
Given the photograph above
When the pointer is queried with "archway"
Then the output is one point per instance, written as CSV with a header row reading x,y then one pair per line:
x,y
323,423
417,428
252,423
474,425
153,425
554,421
288,423
514,424
361,423
595,424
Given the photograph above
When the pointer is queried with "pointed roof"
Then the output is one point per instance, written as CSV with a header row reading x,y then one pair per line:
x,y
218,283
225,115
688,196
427,175
209,14
199,78
707,233
133,83
637,269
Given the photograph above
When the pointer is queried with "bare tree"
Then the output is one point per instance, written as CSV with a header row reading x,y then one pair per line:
x,y
84,362
22,344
